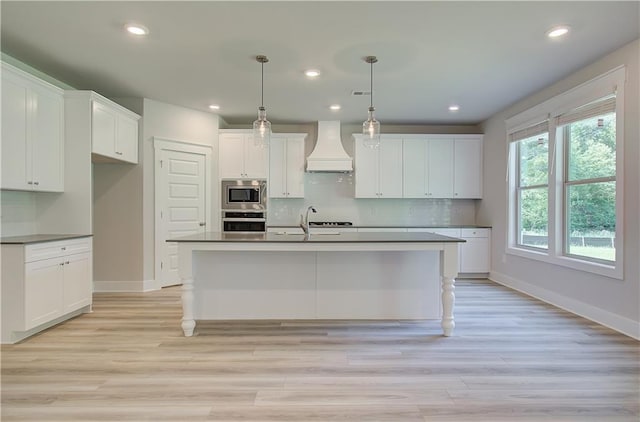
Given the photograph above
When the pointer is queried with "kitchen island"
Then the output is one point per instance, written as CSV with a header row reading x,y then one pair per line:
x,y
334,276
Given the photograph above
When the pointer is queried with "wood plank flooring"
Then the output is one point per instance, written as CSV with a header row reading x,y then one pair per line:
x,y
512,359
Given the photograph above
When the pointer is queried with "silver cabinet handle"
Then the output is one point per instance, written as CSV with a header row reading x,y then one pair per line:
x,y
36,183
119,153
202,224
29,183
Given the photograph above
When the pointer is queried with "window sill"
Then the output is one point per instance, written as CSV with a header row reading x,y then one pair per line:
x,y
612,271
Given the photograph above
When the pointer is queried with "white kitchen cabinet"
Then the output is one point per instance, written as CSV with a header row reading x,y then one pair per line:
x,y
378,171
286,166
32,133
43,284
427,168
114,131
111,128
442,166
239,157
475,253
468,168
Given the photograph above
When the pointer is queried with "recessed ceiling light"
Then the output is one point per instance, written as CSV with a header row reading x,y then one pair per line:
x,y
558,31
454,107
214,107
136,29
312,73
335,107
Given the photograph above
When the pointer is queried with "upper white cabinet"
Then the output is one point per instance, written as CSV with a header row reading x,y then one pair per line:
x,y
32,133
286,166
428,168
378,171
467,176
114,132
442,166
239,157
111,128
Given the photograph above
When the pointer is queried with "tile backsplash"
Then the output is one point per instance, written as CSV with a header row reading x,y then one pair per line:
x,y
333,196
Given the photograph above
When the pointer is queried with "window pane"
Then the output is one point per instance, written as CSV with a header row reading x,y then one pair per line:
x,y
591,220
533,217
592,148
534,160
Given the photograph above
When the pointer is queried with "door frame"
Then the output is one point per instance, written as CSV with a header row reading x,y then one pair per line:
x,y
163,144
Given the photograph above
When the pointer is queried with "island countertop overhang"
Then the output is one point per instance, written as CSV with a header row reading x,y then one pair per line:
x,y
341,238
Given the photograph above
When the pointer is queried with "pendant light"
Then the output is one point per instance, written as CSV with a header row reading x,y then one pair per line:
x,y
262,127
371,127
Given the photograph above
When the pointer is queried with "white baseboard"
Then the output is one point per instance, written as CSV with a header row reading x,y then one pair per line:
x,y
125,286
619,323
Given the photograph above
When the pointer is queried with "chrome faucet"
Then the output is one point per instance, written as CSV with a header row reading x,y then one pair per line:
x,y
304,220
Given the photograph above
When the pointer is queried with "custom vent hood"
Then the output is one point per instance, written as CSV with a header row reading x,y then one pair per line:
x,y
328,154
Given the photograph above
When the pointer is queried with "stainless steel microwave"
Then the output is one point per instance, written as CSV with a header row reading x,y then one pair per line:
x,y
244,194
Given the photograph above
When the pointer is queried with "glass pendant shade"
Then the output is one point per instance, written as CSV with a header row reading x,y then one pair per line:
x,y
261,129
371,130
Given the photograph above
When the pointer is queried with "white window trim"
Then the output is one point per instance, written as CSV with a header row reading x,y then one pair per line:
x,y
606,84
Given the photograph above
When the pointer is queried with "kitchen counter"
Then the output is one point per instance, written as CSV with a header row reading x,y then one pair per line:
x,y
469,226
315,238
39,238
338,276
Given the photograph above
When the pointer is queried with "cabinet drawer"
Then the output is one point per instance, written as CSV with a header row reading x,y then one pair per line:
x,y
474,233
39,251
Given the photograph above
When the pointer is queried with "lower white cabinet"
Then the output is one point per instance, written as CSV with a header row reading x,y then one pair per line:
x,y
43,284
474,254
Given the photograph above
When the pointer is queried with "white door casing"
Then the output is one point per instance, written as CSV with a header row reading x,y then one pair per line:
x,y
182,201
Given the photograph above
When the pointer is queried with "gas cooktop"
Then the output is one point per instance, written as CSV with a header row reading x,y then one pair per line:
x,y
330,223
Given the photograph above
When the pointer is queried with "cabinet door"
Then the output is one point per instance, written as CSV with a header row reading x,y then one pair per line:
x,y
16,150
390,170
231,161
475,255
48,141
277,168
43,291
295,168
414,178
255,159
126,147
468,168
77,282
103,130
440,168
366,171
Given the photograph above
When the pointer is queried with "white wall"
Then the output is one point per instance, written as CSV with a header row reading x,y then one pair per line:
x,y
612,302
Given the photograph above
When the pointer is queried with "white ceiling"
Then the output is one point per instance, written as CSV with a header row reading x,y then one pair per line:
x,y
483,56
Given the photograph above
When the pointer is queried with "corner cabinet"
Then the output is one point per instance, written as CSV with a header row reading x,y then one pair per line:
x,y
378,171
43,284
286,165
112,129
32,133
239,158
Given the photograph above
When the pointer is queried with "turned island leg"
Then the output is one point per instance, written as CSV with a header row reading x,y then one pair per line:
x,y
188,322
449,270
185,270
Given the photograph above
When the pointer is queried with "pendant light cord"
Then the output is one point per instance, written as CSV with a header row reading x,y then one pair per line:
x,y
371,87
262,84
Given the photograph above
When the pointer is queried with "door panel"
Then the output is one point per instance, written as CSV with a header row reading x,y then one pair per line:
x,y
182,206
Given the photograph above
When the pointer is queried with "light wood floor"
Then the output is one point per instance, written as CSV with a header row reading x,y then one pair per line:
x,y
512,359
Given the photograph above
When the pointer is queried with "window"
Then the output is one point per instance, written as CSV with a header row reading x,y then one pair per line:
x,y
533,190
590,186
565,177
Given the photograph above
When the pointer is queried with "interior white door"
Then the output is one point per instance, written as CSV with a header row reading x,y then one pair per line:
x,y
182,211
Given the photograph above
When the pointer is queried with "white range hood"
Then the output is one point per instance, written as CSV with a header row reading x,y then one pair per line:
x,y
328,154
